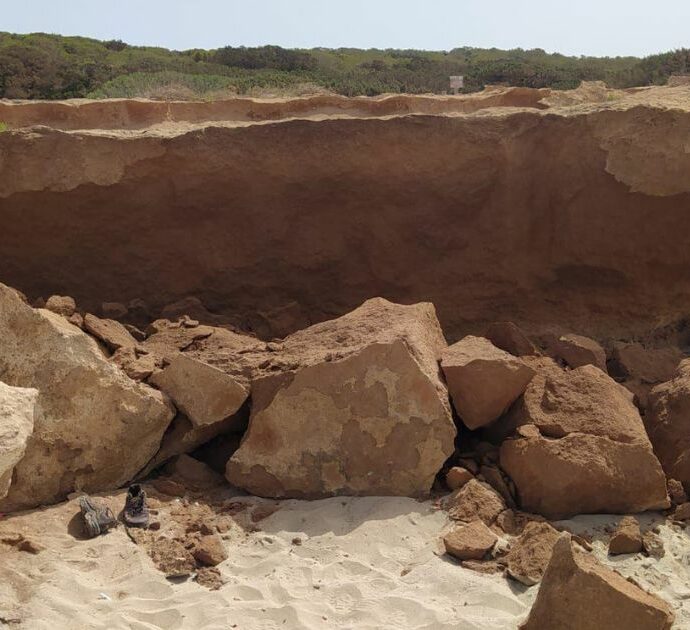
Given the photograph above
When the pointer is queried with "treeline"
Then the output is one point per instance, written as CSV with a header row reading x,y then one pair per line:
x,y
41,66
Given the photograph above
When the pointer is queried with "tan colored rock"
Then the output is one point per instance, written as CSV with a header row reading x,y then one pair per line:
x,y
578,593
113,334
457,477
95,428
668,424
653,545
470,542
475,500
171,557
359,409
627,538
577,351
205,394
530,553
76,319
507,336
17,412
137,366
676,492
61,305
494,477
210,551
682,512
591,453
483,380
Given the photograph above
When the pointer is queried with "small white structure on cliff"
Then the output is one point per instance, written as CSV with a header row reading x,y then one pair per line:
x,y
457,83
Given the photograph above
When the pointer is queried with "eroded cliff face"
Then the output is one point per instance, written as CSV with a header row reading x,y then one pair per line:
x,y
492,207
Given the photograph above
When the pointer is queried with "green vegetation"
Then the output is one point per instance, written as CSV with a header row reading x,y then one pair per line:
x,y
52,66
3,127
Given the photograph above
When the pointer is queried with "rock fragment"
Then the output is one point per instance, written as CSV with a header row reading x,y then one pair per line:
x,y
17,412
61,305
530,553
507,336
483,380
627,538
112,333
457,477
578,593
577,351
210,551
470,542
474,500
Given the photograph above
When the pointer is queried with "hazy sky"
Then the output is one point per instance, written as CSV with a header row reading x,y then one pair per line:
x,y
591,27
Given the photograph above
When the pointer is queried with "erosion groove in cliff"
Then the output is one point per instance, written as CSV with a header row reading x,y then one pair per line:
x,y
534,213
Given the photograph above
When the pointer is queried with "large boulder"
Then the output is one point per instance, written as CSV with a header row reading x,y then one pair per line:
x,y
17,410
578,445
94,427
483,380
578,593
350,406
668,424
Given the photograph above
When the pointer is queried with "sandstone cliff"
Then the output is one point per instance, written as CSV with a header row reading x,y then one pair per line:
x,y
495,206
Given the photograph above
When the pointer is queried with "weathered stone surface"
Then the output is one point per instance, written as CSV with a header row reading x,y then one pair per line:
x,y
668,424
205,394
17,411
457,477
94,427
627,538
586,450
676,492
113,334
470,542
475,500
359,410
507,336
578,593
62,305
583,474
577,351
653,545
648,365
682,512
136,365
530,553
494,477
483,380
210,551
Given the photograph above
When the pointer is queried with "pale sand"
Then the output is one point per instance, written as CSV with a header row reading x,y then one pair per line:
x,y
363,563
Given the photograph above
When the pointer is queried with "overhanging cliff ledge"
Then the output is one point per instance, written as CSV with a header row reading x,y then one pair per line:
x,y
514,204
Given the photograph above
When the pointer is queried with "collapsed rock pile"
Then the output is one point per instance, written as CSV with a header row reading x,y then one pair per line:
x,y
366,404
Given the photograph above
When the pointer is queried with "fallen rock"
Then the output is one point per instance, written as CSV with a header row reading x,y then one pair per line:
x,y
76,319
113,310
61,305
457,477
586,450
494,477
96,427
357,408
513,522
209,577
470,542
676,492
668,424
483,380
475,500
627,538
530,553
507,336
578,593
113,334
17,412
137,366
653,545
206,395
648,365
577,351
682,512
210,551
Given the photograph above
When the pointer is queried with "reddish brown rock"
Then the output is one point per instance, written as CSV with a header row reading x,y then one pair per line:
x,y
356,407
577,350
676,492
494,477
113,334
483,380
507,336
76,319
578,593
210,551
647,365
475,500
113,310
470,542
591,453
668,424
627,538
136,365
682,512
205,394
457,477
171,557
530,553
62,305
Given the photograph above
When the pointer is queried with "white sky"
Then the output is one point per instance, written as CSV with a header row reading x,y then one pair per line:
x,y
588,27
